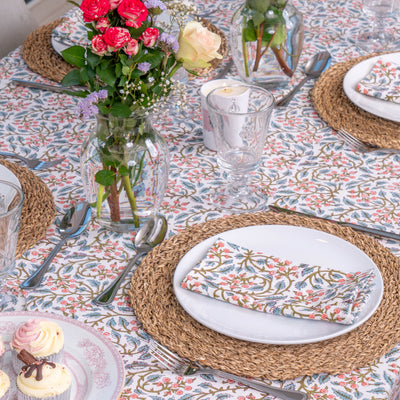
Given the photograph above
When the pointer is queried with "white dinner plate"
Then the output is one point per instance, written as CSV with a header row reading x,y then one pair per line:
x,y
96,366
382,108
298,244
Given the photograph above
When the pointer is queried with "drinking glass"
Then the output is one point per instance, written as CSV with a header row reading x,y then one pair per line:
x,y
11,201
378,38
239,115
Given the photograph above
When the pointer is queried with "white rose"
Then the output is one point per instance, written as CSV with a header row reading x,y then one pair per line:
x,y
197,46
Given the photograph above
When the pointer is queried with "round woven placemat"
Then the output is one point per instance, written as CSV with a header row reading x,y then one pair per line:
x,y
335,108
40,55
38,211
156,307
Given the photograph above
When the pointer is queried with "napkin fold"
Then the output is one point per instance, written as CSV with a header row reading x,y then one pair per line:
x,y
72,30
382,82
270,284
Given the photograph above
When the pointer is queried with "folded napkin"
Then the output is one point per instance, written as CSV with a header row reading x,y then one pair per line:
x,y
270,284
72,31
383,81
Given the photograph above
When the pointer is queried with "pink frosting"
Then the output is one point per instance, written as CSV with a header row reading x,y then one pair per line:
x,y
26,334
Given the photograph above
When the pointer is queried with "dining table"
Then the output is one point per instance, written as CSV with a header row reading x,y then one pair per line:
x,y
306,166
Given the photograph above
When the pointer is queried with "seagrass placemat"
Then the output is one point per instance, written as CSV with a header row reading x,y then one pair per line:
x,y
40,56
156,307
38,211
335,108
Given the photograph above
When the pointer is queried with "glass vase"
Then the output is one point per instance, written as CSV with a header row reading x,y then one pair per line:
x,y
124,167
266,39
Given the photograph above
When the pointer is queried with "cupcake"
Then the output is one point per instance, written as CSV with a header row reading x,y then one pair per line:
x,y
4,384
42,379
42,338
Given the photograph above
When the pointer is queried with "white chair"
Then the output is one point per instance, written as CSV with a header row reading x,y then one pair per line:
x,y
16,23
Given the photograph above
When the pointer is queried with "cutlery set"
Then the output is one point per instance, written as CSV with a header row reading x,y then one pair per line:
x,y
183,367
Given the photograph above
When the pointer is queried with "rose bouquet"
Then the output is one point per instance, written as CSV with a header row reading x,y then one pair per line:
x,y
128,71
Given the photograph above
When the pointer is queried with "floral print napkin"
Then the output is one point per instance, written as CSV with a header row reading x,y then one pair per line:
x,y
274,285
383,81
72,31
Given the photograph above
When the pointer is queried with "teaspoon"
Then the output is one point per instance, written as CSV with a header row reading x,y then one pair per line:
x,y
149,235
313,69
73,223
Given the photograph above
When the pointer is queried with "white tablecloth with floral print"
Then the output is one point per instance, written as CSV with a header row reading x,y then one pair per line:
x,y
304,165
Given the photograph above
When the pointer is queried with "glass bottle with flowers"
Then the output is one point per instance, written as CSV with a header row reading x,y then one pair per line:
x,y
266,39
128,70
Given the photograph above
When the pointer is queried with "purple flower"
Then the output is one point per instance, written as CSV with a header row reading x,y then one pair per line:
x,y
144,67
87,108
155,4
170,40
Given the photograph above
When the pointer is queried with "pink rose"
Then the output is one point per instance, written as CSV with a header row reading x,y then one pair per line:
x,y
133,11
132,47
102,24
149,36
94,9
99,46
114,4
115,38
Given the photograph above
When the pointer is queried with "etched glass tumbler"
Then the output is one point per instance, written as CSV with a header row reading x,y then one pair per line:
x,y
11,202
239,116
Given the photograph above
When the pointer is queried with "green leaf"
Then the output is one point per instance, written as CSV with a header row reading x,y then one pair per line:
x,y
75,55
105,177
93,59
72,78
123,171
258,18
118,70
120,110
125,70
259,5
249,32
280,35
107,76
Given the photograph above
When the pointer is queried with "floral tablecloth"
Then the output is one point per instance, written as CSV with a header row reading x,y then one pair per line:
x,y
305,165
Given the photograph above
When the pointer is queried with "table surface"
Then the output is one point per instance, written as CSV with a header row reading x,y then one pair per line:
x,y
305,165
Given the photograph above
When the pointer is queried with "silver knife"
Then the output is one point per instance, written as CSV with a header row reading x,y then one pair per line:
x,y
44,86
371,231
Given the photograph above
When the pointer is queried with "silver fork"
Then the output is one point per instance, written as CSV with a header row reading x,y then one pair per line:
x,y
183,367
33,163
363,147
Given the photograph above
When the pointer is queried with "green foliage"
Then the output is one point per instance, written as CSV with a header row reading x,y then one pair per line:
x,y
105,177
75,55
263,19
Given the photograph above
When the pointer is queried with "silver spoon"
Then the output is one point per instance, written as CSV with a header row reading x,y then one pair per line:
x,y
73,223
149,235
313,69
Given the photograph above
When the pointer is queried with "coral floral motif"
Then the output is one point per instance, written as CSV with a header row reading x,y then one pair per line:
x,y
269,284
96,360
382,82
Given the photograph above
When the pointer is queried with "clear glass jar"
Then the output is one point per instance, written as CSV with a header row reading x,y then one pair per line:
x,y
266,39
124,167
